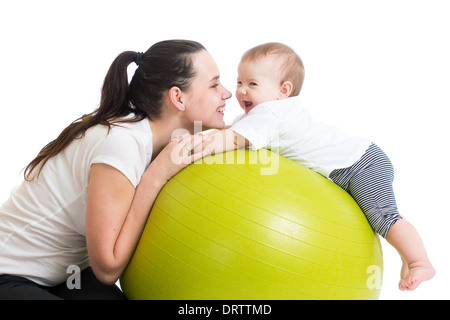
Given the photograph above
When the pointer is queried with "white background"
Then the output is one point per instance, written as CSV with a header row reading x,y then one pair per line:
x,y
380,69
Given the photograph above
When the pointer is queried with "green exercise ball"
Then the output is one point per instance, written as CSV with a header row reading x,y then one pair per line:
x,y
248,225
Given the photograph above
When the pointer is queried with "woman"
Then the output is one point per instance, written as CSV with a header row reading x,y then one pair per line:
x,y
87,195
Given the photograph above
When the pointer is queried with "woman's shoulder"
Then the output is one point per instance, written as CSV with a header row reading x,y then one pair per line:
x,y
139,130
132,127
129,139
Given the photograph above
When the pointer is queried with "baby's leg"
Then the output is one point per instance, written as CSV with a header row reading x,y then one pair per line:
x,y
416,265
371,187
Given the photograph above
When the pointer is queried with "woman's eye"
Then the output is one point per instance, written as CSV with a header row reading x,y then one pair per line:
x,y
253,84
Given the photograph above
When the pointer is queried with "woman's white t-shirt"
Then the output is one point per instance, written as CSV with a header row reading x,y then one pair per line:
x,y
287,128
42,224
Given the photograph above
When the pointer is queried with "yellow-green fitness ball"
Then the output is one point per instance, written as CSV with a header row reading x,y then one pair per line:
x,y
254,225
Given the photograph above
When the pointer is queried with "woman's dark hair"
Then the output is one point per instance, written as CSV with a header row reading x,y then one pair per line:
x,y
165,65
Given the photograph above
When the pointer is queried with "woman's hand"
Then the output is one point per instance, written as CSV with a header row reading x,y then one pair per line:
x,y
179,152
218,141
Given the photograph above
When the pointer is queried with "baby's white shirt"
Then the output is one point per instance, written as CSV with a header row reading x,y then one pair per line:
x,y
287,128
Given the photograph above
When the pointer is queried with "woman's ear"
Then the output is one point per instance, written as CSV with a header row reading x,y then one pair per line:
x,y
285,90
175,97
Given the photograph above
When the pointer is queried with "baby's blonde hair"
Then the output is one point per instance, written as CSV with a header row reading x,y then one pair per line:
x,y
291,68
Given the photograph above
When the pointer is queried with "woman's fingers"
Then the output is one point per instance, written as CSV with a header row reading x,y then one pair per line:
x,y
200,154
188,148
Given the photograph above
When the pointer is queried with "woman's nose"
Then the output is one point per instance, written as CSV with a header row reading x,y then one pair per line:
x,y
226,94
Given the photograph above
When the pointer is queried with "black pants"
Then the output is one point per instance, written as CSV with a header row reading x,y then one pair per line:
x,y
369,182
18,288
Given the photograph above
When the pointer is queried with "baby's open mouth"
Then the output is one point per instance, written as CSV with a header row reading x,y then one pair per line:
x,y
248,105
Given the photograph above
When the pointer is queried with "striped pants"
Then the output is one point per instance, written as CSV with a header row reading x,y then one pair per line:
x,y
369,182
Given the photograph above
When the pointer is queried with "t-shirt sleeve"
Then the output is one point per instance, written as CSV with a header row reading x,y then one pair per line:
x,y
123,152
261,127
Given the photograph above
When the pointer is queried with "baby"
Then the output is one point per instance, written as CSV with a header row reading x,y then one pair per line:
x,y
270,77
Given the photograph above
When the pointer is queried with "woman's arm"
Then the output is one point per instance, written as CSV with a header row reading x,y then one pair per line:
x,y
116,212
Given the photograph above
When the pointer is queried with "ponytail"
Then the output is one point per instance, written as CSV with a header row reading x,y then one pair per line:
x,y
166,64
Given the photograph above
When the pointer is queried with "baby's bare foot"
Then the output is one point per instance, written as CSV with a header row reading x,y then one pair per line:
x,y
415,276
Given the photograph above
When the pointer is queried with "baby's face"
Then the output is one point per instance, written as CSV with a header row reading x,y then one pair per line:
x,y
257,82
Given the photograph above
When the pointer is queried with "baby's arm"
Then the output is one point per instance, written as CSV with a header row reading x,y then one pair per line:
x,y
219,141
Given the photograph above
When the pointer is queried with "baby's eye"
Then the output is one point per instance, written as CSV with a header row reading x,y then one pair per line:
x,y
253,84
239,83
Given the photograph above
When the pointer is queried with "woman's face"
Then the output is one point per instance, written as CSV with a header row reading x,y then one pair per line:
x,y
206,98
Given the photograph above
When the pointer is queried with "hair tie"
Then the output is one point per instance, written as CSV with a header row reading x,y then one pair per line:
x,y
138,57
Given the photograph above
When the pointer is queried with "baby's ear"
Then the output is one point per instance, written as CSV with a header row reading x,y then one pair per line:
x,y
285,90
